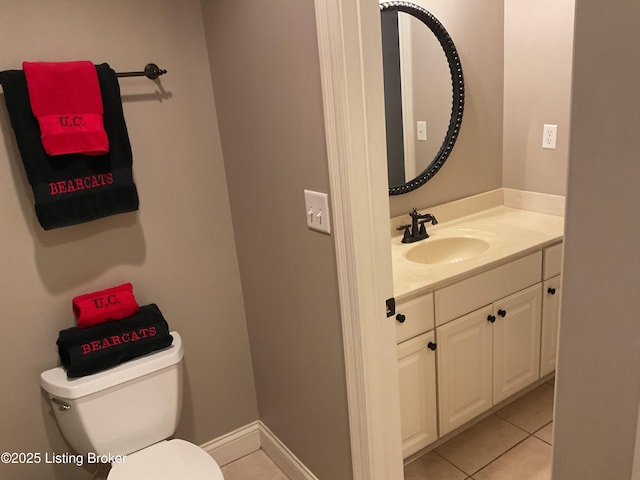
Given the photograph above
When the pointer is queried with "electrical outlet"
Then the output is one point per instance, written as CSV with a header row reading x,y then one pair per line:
x,y
549,136
316,206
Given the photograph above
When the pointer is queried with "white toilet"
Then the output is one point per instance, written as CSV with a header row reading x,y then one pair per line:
x,y
129,411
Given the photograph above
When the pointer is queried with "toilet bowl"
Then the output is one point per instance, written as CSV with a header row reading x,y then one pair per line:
x,y
167,460
128,413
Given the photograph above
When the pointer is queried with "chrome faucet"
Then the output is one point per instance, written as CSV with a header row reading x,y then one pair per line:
x,y
416,230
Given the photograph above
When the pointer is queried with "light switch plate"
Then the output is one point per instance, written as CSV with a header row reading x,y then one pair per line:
x,y
421,129
316,207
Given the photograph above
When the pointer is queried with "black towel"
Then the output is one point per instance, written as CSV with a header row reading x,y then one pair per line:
x,y
75,188
84,351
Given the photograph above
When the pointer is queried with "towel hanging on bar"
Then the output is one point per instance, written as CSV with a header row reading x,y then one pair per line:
x,y
75,188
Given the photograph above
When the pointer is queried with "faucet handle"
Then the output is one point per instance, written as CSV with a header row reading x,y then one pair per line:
x,y
407,233
423,230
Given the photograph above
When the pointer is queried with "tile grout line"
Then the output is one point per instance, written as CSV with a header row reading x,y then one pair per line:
x,y
529,435
525,431
503,453
451,463
518,426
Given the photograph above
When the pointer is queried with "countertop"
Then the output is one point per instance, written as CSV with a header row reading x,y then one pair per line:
x,y
510,232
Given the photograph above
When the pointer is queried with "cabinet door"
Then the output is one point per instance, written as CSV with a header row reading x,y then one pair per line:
x,y
417,378
464,369
550,319
516,342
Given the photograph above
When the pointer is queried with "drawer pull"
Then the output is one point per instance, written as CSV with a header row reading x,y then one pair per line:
x,y
432,346
551,291
502,313
491,318
400,318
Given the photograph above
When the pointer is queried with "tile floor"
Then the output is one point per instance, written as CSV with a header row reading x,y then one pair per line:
x,y
255,466
513,443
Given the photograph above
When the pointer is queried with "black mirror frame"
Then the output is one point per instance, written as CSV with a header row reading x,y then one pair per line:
x,y
457,81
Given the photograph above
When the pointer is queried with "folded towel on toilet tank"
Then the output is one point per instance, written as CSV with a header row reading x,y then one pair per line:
x,y
106,305
84,351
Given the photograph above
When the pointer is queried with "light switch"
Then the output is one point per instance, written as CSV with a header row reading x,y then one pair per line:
x,y
316,206
421,130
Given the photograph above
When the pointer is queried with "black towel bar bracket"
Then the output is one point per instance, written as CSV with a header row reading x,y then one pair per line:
x,y
151,71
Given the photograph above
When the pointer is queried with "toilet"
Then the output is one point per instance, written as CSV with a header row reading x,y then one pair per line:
x,y
126,415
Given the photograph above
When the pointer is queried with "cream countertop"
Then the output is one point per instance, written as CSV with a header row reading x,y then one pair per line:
x,y
511,233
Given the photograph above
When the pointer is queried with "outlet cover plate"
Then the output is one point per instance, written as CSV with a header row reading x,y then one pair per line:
x,y
549,136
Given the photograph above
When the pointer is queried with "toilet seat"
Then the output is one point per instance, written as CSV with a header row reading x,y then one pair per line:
x,y
167,460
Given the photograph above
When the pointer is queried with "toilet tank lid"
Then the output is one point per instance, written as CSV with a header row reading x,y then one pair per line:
x,y
55,381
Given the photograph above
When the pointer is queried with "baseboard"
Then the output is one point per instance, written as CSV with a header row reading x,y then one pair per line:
x,y
286,461
253,437
234,445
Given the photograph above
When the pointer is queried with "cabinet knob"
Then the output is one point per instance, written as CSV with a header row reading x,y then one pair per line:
x,y
551,291
491,318
400,318
502,313
432,346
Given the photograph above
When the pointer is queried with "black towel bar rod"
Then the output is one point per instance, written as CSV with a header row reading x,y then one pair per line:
x,y
151,71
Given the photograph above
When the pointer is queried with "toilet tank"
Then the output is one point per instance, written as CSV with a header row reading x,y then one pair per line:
x,y
123,409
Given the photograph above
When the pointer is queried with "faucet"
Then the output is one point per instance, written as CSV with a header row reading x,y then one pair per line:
x,y
416,230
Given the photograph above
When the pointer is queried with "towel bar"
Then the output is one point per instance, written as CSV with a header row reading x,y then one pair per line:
x,y
151,71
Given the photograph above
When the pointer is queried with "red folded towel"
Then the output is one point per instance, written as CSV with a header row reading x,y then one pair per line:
x,y
65,98
110,304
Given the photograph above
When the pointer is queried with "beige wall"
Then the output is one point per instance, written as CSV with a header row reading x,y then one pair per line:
x,y
475,164
597,387
265,69
178,251
538,43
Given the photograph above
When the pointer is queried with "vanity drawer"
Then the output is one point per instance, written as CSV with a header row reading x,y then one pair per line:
x,y
552,265
414,317
487,287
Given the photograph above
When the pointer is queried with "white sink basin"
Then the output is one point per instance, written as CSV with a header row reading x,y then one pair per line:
x,y
447,250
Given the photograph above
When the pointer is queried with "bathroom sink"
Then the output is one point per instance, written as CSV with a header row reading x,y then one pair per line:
x,y
447,250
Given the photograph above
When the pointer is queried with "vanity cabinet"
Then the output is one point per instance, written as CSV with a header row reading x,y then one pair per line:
x,y
551,272
516,342
550,320
486,356
417,380
465,370
413,317
471,344
417,372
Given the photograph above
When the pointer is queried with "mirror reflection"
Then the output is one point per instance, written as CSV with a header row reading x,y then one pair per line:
x,y
423,109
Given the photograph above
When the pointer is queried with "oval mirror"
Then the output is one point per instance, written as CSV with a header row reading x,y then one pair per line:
x,y
424,94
